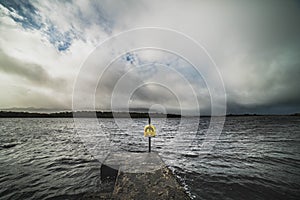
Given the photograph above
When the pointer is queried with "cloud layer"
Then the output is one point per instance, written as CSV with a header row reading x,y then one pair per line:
x,y
255,44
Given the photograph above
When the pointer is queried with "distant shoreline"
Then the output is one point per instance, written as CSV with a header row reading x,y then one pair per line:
x,y
83,114
99,114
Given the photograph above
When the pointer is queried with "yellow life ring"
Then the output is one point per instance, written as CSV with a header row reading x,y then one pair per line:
x,y
149,131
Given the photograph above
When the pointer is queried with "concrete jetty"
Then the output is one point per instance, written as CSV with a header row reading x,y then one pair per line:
x,y
140,176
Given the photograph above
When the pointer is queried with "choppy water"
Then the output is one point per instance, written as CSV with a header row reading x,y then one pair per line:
x,y
254,157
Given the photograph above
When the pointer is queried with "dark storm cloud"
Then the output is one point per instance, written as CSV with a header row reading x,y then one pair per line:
x,y
29,71
270,85
260,61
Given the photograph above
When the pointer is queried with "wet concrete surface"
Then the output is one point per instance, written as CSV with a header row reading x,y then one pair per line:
x,y
140,176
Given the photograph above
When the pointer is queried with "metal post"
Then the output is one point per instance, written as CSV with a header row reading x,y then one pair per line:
x,y
149,121
149,144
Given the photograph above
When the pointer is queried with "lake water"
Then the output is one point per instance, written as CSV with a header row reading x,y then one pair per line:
x,y
253,158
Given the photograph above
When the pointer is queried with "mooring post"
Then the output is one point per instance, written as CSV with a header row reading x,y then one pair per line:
x,y
149,144
149,138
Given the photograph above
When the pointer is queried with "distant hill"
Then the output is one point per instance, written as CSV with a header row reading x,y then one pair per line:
x,y
296,114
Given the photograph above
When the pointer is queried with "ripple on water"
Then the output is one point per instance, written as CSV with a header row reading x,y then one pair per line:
x,y
254,158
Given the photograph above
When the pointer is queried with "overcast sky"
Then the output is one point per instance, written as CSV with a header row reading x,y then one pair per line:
x,y
254,44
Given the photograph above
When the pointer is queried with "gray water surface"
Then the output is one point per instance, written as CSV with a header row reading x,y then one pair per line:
x,y
254,157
